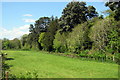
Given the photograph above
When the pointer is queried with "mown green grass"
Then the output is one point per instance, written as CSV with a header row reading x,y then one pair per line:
x,y
54,66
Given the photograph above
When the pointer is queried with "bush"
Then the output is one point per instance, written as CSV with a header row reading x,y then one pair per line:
x,y
27,75
84,53
117,58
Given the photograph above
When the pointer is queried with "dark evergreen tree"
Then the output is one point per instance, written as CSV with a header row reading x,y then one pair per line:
x,y
115,7
75,13
48,37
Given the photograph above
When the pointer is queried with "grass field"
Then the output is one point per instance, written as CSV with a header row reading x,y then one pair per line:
x,y
54,66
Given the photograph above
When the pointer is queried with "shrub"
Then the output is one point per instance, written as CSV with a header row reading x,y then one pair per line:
x,y
117,58
84,53
27,75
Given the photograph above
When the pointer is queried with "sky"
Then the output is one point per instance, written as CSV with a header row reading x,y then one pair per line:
x,y
17,16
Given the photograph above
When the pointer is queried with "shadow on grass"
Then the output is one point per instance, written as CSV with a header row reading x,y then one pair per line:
x,y
9,59
6,66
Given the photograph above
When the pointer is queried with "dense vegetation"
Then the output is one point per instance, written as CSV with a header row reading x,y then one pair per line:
x,y
80,30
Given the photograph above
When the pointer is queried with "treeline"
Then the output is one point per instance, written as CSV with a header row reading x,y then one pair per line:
x,y
79,30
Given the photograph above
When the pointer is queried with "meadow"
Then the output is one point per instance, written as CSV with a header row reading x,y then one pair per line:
x,y
54,66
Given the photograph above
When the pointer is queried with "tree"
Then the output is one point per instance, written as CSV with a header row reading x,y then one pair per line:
x,y
0,44
15,44
31,28
5,43
91,12
114,41
32,38
24,40
41,37
114,38
99,33
75,13
41,24
46,38
115,7
78,39
60,43
109,12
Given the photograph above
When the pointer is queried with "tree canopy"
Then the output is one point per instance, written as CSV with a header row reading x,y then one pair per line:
x,y
75,13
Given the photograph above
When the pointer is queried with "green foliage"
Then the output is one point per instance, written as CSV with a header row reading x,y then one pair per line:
x,y
91,12
114,41
11,44
40,26
23,40
76,39
60,43
115,7
15,43
26,47
99,33
32,41
75,13
31,28
84,53
35,46
117,58
25,43
5,44
109,12
46,38
41,37
26,75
